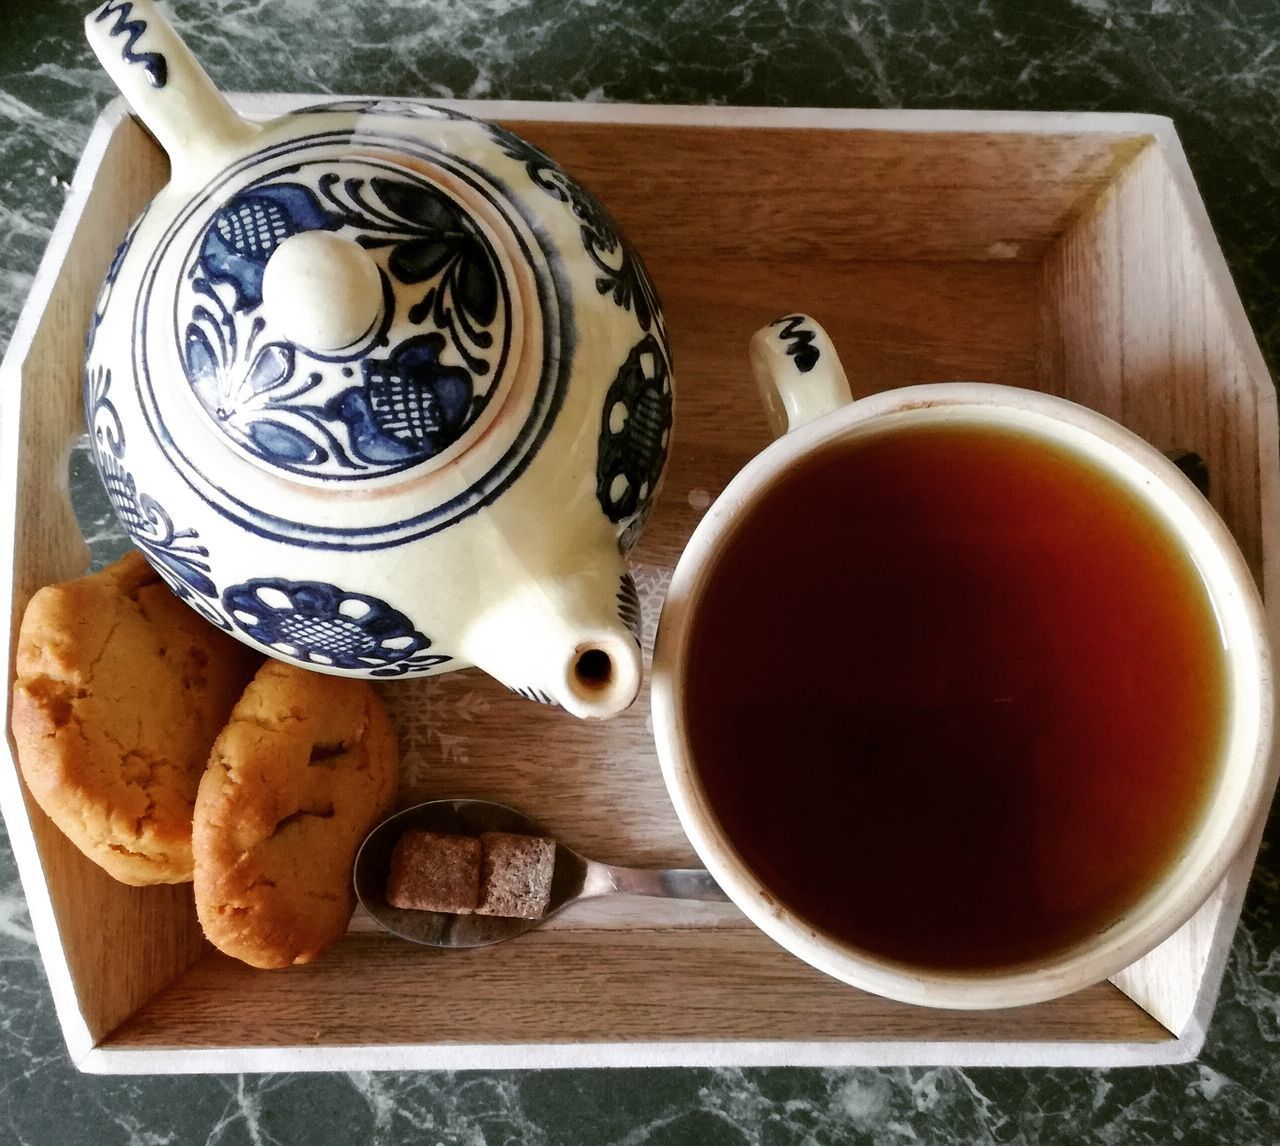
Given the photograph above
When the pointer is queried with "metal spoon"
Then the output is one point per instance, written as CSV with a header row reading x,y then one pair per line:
x,y
575,877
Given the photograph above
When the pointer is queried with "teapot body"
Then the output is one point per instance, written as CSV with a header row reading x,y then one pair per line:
x,y
459,480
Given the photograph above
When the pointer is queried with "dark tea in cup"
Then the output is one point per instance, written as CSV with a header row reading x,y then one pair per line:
x,y
955,695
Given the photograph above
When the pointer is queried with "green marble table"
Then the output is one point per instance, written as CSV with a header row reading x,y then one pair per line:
x,y
1210,65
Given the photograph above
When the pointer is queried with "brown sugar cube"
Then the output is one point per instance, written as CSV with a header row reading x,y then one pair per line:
x,y
432,871
515,875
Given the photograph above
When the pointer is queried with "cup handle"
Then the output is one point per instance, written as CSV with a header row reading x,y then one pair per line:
x,y
797,373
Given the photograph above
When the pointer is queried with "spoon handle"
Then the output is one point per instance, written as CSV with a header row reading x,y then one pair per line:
x,y
663,883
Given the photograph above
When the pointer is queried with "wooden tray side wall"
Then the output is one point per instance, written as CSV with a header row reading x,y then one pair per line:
x,y
582,987
1133,327
881,196
1142,262
120,944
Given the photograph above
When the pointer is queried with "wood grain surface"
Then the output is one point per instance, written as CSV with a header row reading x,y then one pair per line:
x,y
585,986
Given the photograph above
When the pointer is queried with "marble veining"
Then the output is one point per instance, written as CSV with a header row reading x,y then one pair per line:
x,y
1211,64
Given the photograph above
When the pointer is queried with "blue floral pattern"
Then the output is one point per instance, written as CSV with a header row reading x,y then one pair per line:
x,y
176,554
245,233
323,626
638,408
635,432
365,411
621,272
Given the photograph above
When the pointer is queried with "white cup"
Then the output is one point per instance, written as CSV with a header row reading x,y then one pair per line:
x,y
809,406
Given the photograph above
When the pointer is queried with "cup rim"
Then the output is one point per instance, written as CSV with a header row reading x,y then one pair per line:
x,y
1247,769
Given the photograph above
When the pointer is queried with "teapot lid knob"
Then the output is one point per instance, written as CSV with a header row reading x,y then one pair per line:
x,y
321,291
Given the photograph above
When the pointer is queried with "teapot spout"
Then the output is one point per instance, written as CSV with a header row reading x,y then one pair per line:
x,y
567,642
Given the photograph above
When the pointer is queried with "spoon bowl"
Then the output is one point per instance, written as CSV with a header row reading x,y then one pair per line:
x,y
574,877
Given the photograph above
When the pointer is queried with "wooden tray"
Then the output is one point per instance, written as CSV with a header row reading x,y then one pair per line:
x,y
1066,252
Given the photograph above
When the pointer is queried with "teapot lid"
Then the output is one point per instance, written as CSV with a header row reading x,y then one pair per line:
x,y
354,306
346,317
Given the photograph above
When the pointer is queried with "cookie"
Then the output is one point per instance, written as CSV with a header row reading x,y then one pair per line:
x,y
432,871
304,768
121,690
515,875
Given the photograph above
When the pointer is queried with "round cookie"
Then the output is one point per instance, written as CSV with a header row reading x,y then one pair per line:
x,y
120,692
305,766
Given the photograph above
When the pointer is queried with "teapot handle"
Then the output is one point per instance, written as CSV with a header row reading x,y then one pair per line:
x,y
797,372
168,90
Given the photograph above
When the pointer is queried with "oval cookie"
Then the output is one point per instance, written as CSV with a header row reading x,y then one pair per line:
x,y
305,766
120,692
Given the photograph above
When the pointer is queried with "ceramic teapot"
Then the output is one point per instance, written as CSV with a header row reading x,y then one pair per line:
x,y
377,387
